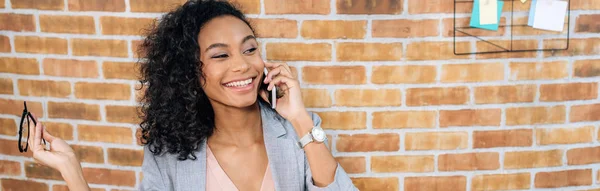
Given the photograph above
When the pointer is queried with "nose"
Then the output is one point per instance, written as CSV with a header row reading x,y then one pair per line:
x,y
239,64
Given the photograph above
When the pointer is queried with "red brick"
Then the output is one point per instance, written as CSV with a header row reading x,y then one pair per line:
x,y
6,86
27,66
577,47
89,154
480,72
109,176
318,7
11,168
334,75
368,142
343,120
316,98
535,115
156,6
97,5
70,68
4,44
369,7
35,170
435,140
435,183
299,51
413,74
62,130
470,117
17,22
67,24
436,50
586,68
567,92
102,91
125,157
44,88
41,45
469,161
448,28
404,119
503,138
99,47
7,106
404,28
584,113
247,6
556,179
437,6
569,135
13,150
120,70
379,184
402,163
9,184
352,165
584,5
9,126
124,26
94,133
37,4
368,97
73,111
501,181
122,114
506,44
437,96
274,28
588,23
505,94
333,29
583,156
538,70
533,159
347,51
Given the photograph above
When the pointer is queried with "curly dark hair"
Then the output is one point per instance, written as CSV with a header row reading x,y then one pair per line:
x,y
176,113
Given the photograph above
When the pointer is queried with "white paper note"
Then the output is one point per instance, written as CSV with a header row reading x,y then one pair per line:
x,y
550,15
488,12
523,1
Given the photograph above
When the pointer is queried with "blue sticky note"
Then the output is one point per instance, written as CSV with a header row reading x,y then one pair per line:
x,y
475,17
531,12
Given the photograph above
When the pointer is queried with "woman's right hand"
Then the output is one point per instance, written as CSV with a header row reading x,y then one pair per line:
x,y
60,156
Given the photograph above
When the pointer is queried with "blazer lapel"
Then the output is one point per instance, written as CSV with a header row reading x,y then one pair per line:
x,y
191,174
282,152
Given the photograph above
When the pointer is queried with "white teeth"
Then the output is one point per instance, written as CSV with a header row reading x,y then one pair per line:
x,y
239,83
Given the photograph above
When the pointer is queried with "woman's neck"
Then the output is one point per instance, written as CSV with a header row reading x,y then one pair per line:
x,y
240,127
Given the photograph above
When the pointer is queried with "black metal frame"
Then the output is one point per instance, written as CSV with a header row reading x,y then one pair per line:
x,y
511,31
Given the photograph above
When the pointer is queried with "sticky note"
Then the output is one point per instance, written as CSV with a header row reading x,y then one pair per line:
x,y
531,13
475,17
488,12
523,1
550,15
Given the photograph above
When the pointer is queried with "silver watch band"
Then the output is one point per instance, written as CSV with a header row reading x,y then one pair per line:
x,y
305,140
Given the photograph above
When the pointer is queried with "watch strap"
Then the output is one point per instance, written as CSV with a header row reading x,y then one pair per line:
x,y
305,140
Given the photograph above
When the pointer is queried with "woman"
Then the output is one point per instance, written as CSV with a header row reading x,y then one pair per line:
x,y
207,122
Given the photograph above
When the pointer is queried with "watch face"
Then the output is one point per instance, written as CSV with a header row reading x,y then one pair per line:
x,y
318,134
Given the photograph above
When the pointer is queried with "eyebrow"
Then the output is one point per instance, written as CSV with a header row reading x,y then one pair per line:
x,y
215,45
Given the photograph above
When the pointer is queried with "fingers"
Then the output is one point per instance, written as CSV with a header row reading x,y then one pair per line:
x,y
47,135
272,66
37,136
282,80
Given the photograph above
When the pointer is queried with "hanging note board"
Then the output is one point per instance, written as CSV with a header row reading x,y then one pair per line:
x,y
513,33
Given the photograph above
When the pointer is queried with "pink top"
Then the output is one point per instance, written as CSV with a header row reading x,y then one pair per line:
x,y
217,179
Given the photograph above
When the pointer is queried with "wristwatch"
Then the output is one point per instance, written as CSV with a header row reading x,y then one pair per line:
x,y
315,135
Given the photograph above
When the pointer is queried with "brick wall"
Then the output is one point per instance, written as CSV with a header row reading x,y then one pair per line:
x,y
403,112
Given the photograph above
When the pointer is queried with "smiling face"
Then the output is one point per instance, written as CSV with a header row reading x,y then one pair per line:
x,y
232,65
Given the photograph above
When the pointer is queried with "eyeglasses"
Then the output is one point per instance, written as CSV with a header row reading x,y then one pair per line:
x,y
26,118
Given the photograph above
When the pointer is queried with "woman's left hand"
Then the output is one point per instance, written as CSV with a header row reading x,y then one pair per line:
x,y
290,106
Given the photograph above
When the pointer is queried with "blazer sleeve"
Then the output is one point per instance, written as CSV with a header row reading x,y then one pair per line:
x,y
341,180
152,177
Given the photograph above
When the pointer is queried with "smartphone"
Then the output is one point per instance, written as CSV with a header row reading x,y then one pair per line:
x,y
272,96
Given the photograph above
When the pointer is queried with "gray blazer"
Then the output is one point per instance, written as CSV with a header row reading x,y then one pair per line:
x,y
287,161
